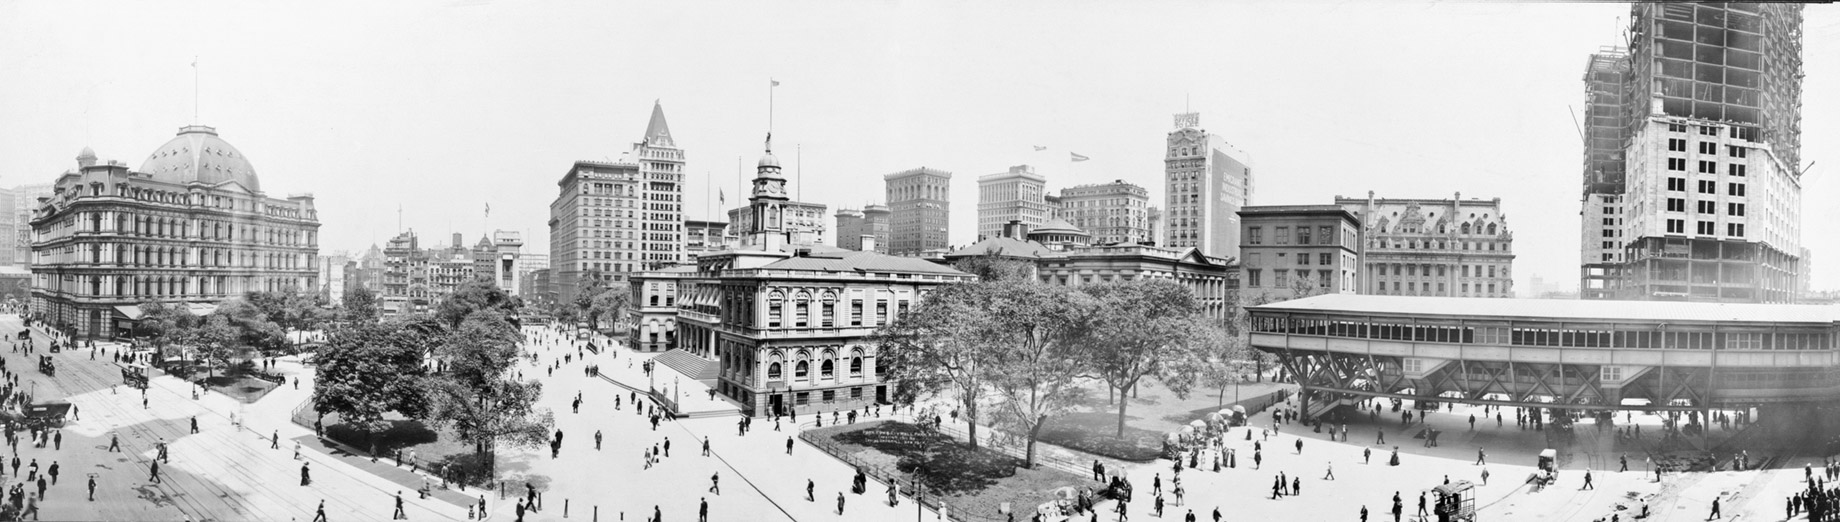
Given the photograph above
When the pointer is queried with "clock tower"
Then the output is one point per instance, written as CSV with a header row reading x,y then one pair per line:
x,y
767,203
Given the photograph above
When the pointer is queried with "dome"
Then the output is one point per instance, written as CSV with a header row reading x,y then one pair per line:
x,y
198,155
87,154
768,160
1058,226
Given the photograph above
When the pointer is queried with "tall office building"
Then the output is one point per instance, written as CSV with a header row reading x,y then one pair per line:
x,y
1016,195
1711,112
920,206
856,226
1114,213
1602,217
1207,182
611,219
24,200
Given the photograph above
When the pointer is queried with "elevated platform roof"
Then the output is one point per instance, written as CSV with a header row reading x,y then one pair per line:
x,y
1557,309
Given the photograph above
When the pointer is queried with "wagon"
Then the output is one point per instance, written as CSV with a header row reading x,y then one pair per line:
x,y
46,415
45,366
134,375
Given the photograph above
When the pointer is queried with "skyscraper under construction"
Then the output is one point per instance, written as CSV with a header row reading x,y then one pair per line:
x,y
1700,200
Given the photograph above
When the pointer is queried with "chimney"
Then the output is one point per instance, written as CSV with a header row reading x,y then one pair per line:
x,y
868,243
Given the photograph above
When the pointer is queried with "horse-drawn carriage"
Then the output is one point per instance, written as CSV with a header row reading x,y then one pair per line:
x,y
45,366
134,375
47,415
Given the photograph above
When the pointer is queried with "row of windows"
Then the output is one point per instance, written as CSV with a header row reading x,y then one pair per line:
x,y
1414,288
801,370
1557,337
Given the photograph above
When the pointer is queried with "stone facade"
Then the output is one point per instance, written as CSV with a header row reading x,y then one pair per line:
x,y
1437,247
192,225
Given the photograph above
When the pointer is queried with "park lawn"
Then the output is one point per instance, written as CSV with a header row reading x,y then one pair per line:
x,y
432,447
975,482
244,388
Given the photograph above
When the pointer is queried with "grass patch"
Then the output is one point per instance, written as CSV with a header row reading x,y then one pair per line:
x,y
1094,432
242,387
972,481
432,447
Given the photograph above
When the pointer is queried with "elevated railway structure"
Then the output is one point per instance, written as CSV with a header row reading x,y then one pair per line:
x,y
1776,361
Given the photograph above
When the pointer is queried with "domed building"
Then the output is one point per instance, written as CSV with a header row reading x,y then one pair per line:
x,y
191,225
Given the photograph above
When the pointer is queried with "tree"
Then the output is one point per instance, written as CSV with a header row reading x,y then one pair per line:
x,y
165,325
991,268
1034,334
369,369
936,347
1147,328
215,339
360,304
474,296
476,398
612,304
252,328
292,310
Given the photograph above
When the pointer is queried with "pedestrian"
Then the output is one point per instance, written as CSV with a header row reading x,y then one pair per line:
x,y
702,510
715,483
788,439
1587,480
1380,436
1296,486
154,472
92,488
274,440
1156,485
1715,509
1363,513
808,491
1330,475
1367,455
319,513
305,474
194,424
1481,457
54,472
1421,504
520,510
399,515
57,440
114,442
1256,459
840,503
1485,476
1624,460
1159,506
705,446
1299,445
297,452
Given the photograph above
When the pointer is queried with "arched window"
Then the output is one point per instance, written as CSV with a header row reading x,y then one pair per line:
x,y
1466,228
773,372
801,370
828,369
1491,229
856,365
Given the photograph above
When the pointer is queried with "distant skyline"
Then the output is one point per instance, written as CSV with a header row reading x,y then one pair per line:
x,y
446,107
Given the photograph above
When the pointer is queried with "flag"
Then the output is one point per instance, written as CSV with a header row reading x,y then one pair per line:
x,y
1039,148
721,195
488,209
775,82
1078,157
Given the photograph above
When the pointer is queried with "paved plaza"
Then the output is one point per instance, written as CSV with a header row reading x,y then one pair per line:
x,y
230,473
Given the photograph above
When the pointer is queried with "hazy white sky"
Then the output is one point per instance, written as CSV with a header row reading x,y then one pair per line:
x,y
444,107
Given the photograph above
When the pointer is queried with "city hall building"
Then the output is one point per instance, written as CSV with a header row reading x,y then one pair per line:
x,y
191,225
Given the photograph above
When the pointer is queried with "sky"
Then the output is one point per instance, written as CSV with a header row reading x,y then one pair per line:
x,y
441,108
